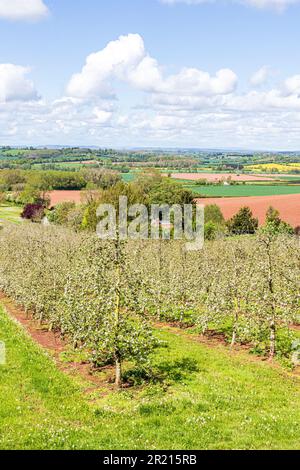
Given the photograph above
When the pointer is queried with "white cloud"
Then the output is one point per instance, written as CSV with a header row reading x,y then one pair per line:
x,y
261,76
195,82
266,119
117,59
292,85
188,2
102,116
273,4
28,10
14,86
278,5
188,108
127,60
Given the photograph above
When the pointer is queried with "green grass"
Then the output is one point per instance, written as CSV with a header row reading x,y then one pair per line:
x,y
128,177
214,400
291,178
10,214
244,190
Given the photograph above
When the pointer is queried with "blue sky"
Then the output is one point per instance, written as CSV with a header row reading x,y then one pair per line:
x,y
198,73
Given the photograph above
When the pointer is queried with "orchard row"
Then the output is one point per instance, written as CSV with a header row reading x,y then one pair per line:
x,y
104,296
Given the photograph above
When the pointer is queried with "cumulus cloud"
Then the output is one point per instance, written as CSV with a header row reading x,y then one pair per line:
x,y
18,10
187,108
278,5
116,60
255,119
102,116
14,84
261,76
292,85
126,60
195,82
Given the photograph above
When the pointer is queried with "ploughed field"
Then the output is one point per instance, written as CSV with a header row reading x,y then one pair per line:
x,y
214,177
56,197
288,206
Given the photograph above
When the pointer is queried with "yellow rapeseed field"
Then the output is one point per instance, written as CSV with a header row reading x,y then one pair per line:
x,y
275,167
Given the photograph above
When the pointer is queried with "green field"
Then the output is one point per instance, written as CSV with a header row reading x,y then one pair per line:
x,y
59,166
244,190
63,165
14,152
291,178
10,214
211,399
128,177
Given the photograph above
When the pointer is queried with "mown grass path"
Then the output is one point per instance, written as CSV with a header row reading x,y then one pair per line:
x,y
10,214
210,399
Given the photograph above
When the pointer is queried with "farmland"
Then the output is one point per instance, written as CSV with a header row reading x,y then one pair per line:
x,y
186,350
128,177
274,167
214,177
200,394
56,197
244,190
149,231
57,266
68,166
287,205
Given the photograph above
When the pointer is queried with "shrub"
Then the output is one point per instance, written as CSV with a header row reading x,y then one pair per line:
x,y
210,231
213,213
275,224
33,212
243,222
61,212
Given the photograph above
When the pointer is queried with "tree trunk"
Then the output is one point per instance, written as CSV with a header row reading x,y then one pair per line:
x,y
160,280
235,324
273,308
118,381
204,328
118,359
233,340
183,286
272,339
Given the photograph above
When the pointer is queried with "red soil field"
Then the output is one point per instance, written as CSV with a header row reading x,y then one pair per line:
x,y
288,206
57,197
220,176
